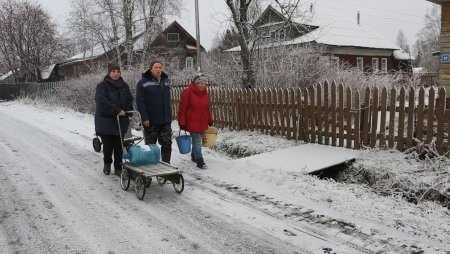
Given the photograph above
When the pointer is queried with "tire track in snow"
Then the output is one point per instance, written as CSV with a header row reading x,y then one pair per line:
x,y
62,202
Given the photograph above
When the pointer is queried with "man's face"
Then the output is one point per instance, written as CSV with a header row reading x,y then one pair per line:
x,y
156,70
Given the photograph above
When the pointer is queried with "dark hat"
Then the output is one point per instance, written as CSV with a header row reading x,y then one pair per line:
x,y
112,67
199,78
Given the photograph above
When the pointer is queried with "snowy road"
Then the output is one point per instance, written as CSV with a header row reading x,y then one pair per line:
x,y
55,199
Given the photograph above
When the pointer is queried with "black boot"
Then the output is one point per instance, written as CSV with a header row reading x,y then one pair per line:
x,y
107,168
118,169
201,164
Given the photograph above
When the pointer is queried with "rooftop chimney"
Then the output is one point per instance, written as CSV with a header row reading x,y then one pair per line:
x,y
358,18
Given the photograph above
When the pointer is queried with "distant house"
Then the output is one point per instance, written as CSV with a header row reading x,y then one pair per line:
x,y
49,73
177,41
174,40
345,40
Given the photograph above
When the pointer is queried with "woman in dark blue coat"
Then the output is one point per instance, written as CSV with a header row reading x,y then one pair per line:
x,y
112,99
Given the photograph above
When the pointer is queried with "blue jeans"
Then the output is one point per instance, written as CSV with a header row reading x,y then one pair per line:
x,y
196,151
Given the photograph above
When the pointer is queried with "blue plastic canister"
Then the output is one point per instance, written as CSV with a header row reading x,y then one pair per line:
x,y
144,155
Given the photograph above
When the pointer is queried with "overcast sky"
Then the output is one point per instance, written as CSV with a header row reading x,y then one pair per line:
x,y
385,16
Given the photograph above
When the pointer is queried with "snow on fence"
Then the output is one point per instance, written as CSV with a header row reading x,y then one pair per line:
x,y
335,115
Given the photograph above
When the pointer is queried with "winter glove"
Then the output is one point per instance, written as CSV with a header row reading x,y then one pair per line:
x,y
183,127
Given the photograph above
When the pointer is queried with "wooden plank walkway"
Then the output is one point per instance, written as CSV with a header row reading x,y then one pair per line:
x,y
305,158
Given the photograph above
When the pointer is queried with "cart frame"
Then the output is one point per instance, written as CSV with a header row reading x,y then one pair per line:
x,y
142,175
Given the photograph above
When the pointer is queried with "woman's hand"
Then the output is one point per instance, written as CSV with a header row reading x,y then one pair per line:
x,y
121,113
146,123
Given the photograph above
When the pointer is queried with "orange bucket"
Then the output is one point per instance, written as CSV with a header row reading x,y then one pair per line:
x,y
209,137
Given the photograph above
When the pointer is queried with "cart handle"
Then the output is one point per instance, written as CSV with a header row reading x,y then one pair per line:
x,y
118,123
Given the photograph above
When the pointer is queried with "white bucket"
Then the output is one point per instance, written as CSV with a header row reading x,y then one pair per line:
x,y
209,137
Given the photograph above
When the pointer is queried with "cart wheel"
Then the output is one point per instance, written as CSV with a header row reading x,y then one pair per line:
x,y
139,187
97,144
125,179
178,184
161,180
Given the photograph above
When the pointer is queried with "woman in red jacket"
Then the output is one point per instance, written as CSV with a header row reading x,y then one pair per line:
x,y
194,115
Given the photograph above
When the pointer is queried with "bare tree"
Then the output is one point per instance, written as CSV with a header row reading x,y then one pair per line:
x,y
428,40
402,42
244,14
28,38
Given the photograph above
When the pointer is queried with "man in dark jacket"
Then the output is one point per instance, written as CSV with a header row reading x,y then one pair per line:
x,y
154,105
112,99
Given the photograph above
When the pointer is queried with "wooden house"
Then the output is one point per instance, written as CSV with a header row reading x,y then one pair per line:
x,y
345,40
173,41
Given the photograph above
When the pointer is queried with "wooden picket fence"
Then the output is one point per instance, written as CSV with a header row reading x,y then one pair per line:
x,y
9,91
335,115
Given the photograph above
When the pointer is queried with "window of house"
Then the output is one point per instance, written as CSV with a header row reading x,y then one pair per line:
x,y
375,64
273,35
189,62
61,71
282,34
360,63
334,62
384,64
173,37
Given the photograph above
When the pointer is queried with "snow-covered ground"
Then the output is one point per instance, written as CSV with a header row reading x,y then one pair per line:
x,y
258,204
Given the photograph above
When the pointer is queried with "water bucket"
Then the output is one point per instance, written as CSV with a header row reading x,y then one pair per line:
x,y
144,155
209,137
184,143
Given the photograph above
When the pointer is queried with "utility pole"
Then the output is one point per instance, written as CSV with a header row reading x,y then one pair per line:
x,y
197,29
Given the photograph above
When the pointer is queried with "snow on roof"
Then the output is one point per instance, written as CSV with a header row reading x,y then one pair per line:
x,y
336,31
190,47
94,52
45,73
99,50
6,75
418,70
402,55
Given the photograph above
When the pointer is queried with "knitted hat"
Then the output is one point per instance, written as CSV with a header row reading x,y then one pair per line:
x,y
199,78
112,67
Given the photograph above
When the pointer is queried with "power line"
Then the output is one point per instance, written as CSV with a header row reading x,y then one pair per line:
x,y
374,8
354,12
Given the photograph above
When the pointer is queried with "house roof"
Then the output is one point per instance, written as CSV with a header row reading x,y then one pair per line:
x,y
438,1
336,31
138,44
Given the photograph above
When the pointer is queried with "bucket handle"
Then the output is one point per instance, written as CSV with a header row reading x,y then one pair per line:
x,y
179,132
